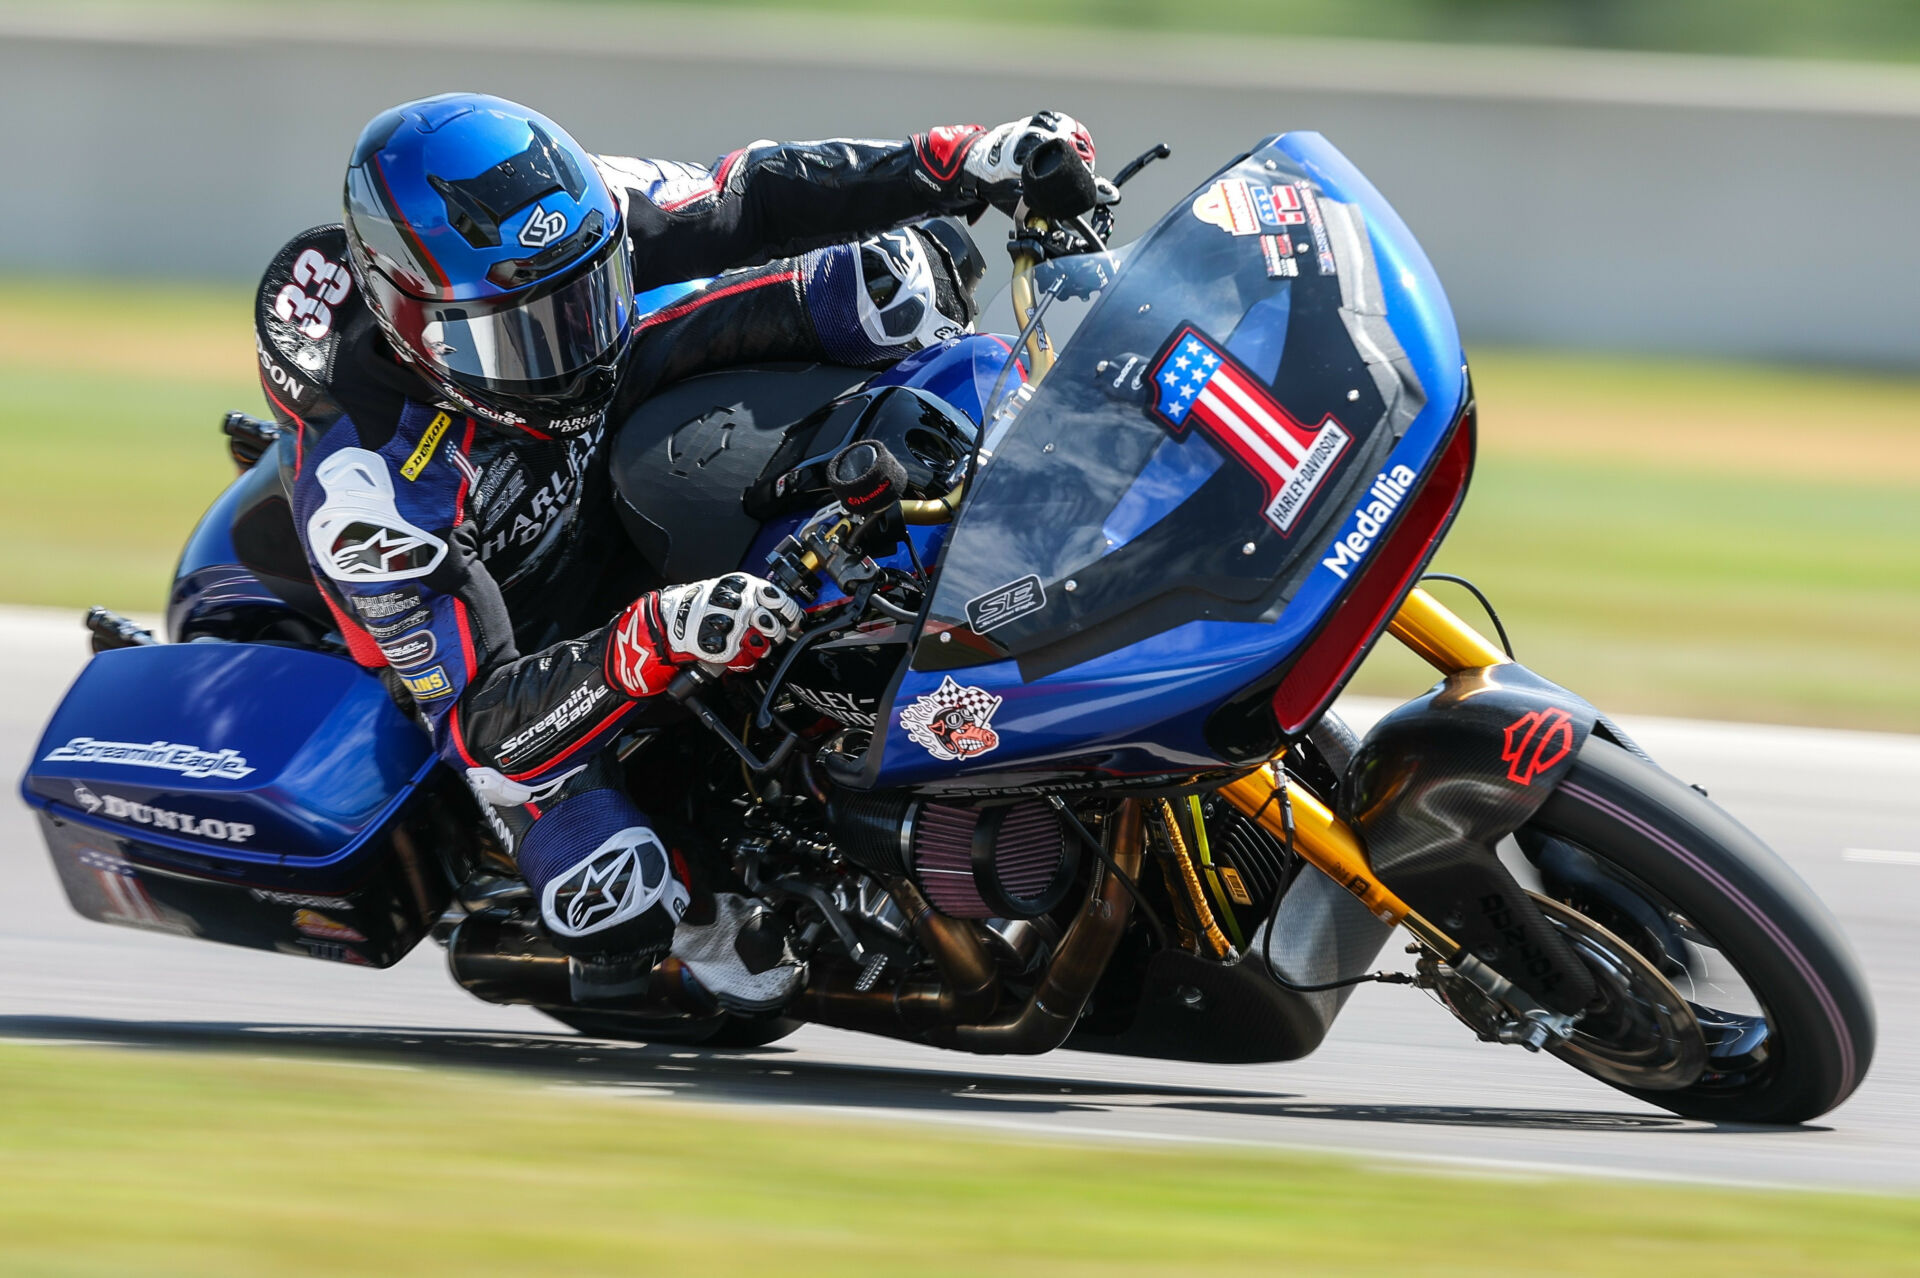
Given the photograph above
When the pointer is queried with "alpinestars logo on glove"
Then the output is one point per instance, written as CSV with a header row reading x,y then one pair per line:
x,y
951,721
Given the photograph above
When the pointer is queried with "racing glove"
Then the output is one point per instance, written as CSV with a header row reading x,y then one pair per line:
x,y
990,159
729,622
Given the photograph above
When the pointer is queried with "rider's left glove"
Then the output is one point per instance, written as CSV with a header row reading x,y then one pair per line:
x,y
993,159
730,622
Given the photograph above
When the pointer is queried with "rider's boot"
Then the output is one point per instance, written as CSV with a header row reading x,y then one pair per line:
x,y
741,957
616,901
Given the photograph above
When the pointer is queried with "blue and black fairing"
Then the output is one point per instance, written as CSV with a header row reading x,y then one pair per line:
x,y
1157,589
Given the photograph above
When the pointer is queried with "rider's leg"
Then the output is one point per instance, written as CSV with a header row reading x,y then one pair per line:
x,y
614,898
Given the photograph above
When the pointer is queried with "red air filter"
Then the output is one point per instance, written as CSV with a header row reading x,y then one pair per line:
x,y
1010,861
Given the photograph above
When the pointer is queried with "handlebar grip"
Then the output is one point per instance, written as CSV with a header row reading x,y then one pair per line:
x,y
1057,183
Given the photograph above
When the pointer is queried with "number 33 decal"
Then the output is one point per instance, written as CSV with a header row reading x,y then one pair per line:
x,y
312,312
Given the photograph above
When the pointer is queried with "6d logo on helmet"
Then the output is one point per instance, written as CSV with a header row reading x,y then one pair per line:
x,y
312,313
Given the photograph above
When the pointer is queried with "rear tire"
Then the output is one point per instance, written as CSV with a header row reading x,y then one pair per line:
x,y
1676,846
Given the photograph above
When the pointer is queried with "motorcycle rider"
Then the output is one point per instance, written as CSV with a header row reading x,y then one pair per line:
x,y
450,358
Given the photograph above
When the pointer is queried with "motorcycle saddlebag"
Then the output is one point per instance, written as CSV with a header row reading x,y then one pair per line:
x,y
259,795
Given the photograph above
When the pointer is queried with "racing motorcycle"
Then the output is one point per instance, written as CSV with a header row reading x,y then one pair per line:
x,y
1051,761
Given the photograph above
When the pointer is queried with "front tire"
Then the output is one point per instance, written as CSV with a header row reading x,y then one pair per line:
x,y
1737,904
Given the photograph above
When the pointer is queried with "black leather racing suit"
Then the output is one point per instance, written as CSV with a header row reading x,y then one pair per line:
x,y
484,567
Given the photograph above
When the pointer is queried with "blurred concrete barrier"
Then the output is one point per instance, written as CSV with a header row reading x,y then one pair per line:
x,y
1619,201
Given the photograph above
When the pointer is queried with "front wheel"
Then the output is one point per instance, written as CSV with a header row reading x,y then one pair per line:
x,y
1778,996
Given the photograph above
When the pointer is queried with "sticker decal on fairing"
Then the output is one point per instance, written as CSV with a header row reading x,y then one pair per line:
x,y
1196,380
1535,743
1240,207
952,722
1006,604
1368,520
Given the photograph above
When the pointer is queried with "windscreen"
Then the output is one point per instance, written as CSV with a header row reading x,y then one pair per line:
x,y
1230,384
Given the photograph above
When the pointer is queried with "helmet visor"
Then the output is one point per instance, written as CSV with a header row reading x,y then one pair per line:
x,y
537,343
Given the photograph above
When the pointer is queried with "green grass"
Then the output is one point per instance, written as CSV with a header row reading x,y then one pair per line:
x,y
116,1163
1664,537
110,401
1724,596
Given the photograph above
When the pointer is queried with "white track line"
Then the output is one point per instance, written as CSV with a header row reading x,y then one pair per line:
x,y
1880,856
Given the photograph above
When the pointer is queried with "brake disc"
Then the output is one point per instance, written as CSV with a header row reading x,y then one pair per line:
x,y
1641,1033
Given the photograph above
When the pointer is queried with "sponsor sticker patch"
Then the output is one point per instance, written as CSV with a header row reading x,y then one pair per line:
x,y
415,649
412,621
1322,245
1006,604
374,607
117,808
423,453
1535,742
953,721
187,760
300,898
543,227
1277,251
428,684
1368,520
313,923
124,898
1240,207
1196,380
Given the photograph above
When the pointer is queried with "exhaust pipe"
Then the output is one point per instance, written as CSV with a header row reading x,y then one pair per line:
x,y
952,1012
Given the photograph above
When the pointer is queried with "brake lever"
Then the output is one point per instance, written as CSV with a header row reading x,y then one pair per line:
x,y
1158,151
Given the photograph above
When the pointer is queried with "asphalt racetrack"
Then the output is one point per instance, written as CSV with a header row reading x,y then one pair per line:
x,y
1397,1078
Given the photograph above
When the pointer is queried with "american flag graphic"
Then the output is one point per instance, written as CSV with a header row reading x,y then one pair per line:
x,y
127,900
1198,380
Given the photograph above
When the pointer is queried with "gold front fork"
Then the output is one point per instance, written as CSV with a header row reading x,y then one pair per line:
x,y
1039,349
1322,839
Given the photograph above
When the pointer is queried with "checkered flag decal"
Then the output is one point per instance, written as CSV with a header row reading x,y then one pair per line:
x,y
977,703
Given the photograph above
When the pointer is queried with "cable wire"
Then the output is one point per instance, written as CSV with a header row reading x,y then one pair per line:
x,y
1485,602
1126,880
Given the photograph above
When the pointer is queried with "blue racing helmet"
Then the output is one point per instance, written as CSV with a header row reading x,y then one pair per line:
x,y
495,258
